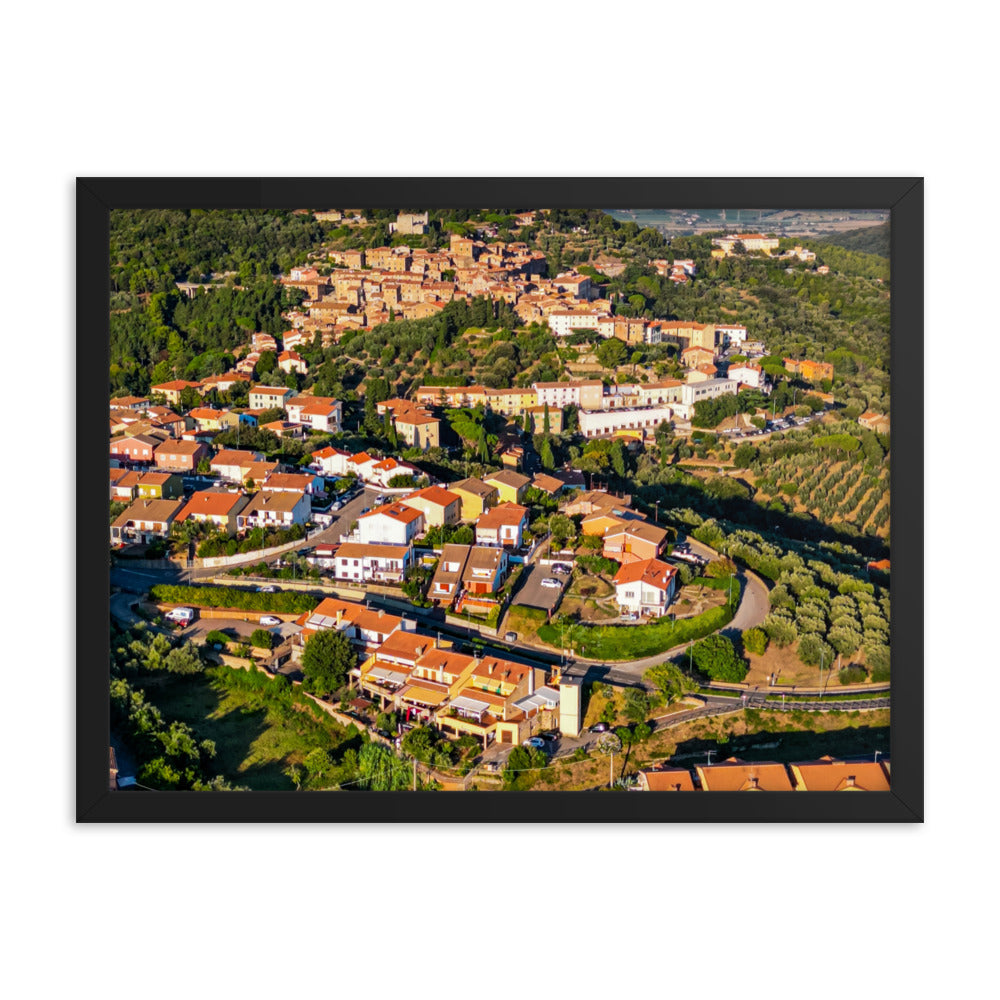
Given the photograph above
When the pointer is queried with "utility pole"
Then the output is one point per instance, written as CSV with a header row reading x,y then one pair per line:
x,y
414,773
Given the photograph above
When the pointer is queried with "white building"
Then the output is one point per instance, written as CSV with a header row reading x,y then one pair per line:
x,y
748,373
356,561
695,392
588,394
331,461
564,321
392,524
729,336
639,419
321,413
646,588
274,510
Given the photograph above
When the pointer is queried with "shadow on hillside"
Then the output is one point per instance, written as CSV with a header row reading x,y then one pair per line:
x,y
786,747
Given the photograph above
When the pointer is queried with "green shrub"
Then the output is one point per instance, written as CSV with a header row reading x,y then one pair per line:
x,y
285,602
852,675
755,641
261,639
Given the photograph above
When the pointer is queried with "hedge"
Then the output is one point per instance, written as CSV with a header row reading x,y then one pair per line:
x,y
633,642
283,602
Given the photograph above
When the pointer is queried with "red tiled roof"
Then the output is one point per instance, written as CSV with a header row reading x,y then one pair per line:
x,y
652,572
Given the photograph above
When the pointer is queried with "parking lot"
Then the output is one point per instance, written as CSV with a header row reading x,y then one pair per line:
x,y
532,594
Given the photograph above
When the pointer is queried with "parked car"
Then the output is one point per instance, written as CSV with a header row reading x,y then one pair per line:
x,y
534,741
183,616
562,569
548,737
599,727
269,620
269,589
510,636
549,582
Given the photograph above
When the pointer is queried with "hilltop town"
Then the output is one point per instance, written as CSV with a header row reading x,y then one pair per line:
x,y
426,487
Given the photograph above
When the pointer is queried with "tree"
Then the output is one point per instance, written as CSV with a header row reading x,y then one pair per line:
x,y
381,769
745,456
813,651
262,639
562,529
755,641
266,363
546,456
637,704
546,423
717,657
184,660
669,681
326,659
720,568
611,353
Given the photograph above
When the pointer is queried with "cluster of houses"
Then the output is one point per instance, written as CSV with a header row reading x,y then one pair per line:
x,y
370,287
154,446
734,775
645,585
251,493
382,546
430,683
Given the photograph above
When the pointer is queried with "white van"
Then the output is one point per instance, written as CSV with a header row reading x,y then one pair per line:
x,y
183,615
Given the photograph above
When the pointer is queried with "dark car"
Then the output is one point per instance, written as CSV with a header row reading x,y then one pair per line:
x,y
550,737
599,727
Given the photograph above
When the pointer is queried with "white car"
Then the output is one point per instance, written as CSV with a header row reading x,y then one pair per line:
x,y
269,620
549,582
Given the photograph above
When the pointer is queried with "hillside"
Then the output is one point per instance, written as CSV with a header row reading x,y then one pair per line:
x,y
871,239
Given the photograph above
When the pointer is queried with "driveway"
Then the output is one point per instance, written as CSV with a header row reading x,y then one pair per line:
x,y
532,594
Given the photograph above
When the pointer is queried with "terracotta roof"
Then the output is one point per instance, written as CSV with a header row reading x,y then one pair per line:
x,y
396,511
329,452
829,775
231,456
652,572
508,478
547,483
175,386
735,775
474,486
405,644
178,448
149,510
640,529
669,780
212,503
289,480
269,390
274,500
509,514
435,495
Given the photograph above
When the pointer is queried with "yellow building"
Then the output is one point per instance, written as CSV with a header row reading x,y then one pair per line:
x,y
477,497
510,485
510,402
419,429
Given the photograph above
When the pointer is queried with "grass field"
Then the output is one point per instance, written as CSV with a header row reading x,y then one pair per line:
x,y
255,742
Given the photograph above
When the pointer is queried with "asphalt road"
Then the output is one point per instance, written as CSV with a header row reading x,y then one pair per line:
x,y
532,594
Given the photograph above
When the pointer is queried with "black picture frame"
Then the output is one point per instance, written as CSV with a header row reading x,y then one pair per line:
x,y
903,197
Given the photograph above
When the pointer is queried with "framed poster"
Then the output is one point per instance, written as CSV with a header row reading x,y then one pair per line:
x,y
537,501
